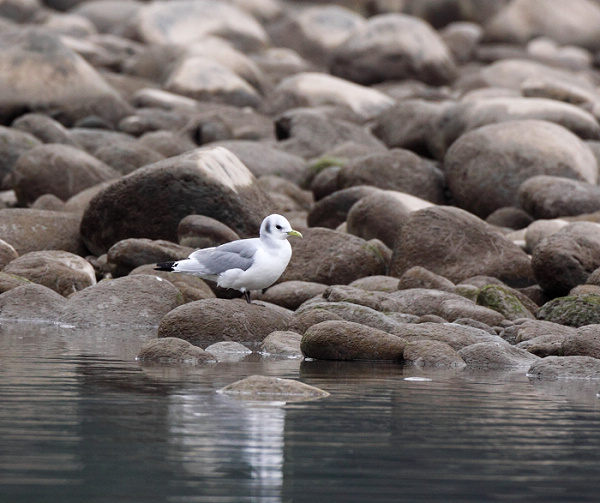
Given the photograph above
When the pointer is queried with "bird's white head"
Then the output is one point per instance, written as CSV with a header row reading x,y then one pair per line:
x,y
277,227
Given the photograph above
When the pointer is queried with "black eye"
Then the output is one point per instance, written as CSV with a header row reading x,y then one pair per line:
x,y
278,227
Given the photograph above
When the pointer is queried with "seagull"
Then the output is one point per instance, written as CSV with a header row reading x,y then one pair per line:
x,y
244,264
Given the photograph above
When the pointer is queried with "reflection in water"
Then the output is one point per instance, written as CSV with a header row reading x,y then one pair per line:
x,y
228,442
78,427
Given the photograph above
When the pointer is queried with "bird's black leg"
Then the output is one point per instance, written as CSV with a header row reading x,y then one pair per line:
x,y
247,295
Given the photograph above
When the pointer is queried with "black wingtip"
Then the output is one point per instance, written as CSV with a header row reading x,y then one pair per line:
x,y
164,266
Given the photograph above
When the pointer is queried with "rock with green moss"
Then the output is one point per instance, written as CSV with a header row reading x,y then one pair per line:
x,y
573,310
501,299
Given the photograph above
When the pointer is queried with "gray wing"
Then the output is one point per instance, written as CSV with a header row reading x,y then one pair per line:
x,y
234,255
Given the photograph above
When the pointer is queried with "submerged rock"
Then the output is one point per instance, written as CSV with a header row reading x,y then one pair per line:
x,y
173,350
566,367
270,388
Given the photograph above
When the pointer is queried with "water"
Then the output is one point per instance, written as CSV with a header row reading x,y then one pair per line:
x,y
82,421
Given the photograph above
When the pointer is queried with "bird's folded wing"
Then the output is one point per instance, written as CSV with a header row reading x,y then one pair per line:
x,y
234,255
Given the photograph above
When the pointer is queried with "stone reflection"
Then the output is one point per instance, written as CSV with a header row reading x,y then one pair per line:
x,y
234,447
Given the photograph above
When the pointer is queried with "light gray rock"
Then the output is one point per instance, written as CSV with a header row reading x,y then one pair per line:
x,y
426,353
282,343
61,271
268,388
131,301
32,303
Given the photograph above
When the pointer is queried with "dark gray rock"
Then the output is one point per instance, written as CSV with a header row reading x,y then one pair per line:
x,y
13,143
332,258
56,169
494,355
485,167
427,353
554,197
566,258
291,294
574,311
419,277
457,245
200,231
214,320
585,342
344,340
332,210
150,202
126,255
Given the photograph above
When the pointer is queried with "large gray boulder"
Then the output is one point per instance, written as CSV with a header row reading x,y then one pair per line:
x,y
457,245
485,167
150,202
31,303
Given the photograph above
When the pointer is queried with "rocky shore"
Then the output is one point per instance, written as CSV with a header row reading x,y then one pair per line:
x,y
441,161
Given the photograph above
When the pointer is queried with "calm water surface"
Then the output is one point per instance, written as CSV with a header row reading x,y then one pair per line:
x,y
81,421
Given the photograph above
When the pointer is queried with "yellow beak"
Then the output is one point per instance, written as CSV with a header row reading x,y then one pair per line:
x,y
294,233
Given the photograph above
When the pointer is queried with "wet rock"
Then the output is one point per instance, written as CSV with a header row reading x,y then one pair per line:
x,y
282,343
566,258
200,231
31,82
518,22
291,294
455,244
311,89
494,355
126,255
173,350
183,22
31,230
574,311
455,335
61,271
228,351
553,197
381,214
131,301
376,283
259,387
419,277
380,301
332,210
585,342
514,151
125,159
56,169
332,258
566,367
191,287
211,182
398,169
205,79
344,340
13,143
414,47
504,301
214,320
315,31
426,353
262,159
31,302
310,133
